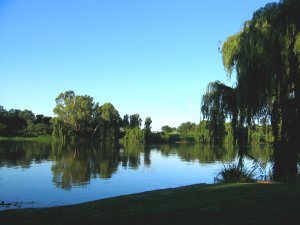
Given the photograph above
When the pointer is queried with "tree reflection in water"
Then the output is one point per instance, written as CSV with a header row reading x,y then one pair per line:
x,y
76,164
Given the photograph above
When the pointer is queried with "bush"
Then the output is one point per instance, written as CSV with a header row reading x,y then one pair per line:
x,y
235,173
134,135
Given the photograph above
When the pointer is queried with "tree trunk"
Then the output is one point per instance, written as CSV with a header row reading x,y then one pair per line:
x,y
285,161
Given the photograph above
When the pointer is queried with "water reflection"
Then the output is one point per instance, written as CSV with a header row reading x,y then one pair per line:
x,y
76,165
201,152
23,154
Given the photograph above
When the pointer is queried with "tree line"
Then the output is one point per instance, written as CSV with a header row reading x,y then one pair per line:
x,y
15,122
201,133
78,117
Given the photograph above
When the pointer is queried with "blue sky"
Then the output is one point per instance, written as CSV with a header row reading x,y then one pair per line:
x,y
153,57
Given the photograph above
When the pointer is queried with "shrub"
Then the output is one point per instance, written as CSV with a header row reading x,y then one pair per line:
x,y
235,173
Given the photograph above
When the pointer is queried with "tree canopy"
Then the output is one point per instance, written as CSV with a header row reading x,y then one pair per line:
x,y
15,122
80,116
265,57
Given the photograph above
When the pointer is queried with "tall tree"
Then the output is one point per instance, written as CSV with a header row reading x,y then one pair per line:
x,y
186,127
147,126
79,115
265,56
75,111
125,121
219,103
135,121
110,122
168,129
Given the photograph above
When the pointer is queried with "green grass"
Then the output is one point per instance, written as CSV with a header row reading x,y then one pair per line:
x,y
225,204
43,138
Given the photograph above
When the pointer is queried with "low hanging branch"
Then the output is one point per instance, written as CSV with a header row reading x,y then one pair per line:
x,y
265,55
218,104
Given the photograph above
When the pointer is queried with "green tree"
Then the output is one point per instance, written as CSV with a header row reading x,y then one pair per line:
x,y
201,133
147,126
27,115
110,123
265,56
23,123
147,129
75,111
168,129
134,135
135,121
125,121
15,124
186,128
81,116
3,121
219,103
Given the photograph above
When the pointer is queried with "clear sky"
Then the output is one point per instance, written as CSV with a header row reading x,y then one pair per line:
x,y
152,57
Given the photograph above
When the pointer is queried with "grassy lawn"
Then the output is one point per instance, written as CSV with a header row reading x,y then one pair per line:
x,y
253,204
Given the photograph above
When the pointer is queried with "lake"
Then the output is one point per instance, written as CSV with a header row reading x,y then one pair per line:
x,y
45,175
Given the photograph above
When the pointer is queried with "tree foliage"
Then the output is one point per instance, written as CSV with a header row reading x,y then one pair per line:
x,y
75,111
219,103
80,116
125,121
109,122
135,121
15,122
265,57
168,129
147,129
134,135
147,126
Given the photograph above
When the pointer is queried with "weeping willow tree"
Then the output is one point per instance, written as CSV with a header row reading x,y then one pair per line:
x,y
136,135
218,104
265,57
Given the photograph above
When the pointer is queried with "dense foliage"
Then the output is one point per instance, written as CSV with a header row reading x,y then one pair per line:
x,y
15,122
134,135
201,133
265,57
80,116
104,123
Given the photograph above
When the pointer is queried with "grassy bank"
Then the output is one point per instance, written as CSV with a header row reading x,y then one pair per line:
x,y
44,139
247,204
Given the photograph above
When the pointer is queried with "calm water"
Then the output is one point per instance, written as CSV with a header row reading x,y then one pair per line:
x,y
41,175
